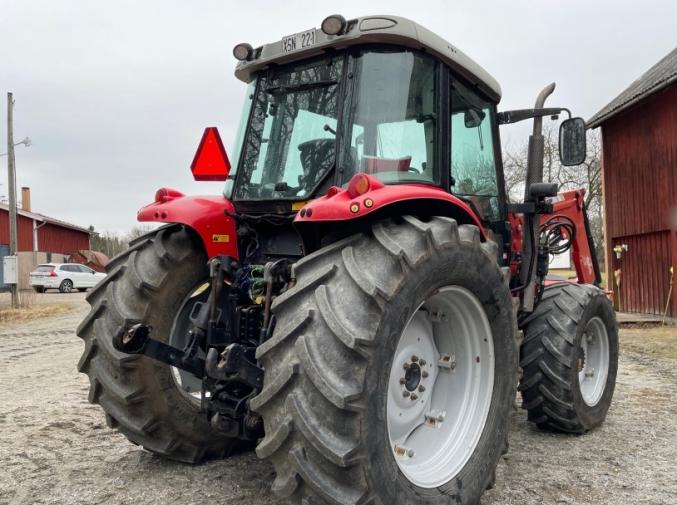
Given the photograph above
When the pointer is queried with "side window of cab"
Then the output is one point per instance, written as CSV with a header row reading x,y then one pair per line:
x,y
473,161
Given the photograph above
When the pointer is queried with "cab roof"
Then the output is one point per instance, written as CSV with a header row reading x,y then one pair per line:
x,y
375,30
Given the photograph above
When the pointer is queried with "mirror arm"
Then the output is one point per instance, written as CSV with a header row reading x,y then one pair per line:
x,y
515,116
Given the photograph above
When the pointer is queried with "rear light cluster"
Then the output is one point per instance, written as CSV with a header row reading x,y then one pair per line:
x,y
53,273
166,194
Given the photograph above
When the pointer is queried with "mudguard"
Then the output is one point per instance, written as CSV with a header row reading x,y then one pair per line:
x,y
343,204
209,216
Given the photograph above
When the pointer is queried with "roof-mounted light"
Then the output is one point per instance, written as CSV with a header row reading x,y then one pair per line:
x,y
243,52
334,24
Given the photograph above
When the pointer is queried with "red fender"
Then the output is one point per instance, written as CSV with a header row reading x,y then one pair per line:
x,y
342,205
207,215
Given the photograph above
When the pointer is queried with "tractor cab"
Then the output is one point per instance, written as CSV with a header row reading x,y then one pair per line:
x,y
377,95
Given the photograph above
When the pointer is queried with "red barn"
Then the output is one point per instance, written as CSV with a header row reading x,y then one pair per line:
x,y
40,238
639,167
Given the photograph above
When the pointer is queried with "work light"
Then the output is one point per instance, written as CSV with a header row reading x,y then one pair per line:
x,y
334,24
243,51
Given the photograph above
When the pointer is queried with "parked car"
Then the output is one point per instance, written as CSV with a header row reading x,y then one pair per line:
x,y
64,276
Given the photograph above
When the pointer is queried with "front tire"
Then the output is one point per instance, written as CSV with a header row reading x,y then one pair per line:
x,y
148,283
327,390
66,286
570,358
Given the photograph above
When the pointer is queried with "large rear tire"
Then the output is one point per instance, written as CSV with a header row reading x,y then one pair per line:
x,y
148,283
570,358
328,401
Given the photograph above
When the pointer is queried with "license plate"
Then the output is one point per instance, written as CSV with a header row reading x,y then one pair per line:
x,y
298,41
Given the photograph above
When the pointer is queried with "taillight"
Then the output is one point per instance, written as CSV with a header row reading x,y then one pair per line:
x,y
362,183
166,194
53,272
358,185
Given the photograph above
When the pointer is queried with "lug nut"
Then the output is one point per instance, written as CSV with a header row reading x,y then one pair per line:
x,y
424,374
405,394
411,453
414,358
406,366
422,362
414,397
421,388
403,381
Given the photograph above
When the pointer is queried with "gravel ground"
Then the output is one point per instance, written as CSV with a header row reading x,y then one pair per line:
x,y
55,446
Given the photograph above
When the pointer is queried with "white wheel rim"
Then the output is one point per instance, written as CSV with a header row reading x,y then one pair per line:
x,y
435,419
593,368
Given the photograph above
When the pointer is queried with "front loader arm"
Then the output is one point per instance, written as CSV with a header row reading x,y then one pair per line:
x,y
570,204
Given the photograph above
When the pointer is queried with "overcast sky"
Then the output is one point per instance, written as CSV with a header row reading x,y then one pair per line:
x,y
115,94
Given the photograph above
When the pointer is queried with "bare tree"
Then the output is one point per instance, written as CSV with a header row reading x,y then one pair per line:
x,y
112,244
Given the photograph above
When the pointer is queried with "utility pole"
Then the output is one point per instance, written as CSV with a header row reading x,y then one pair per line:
x,y
11,178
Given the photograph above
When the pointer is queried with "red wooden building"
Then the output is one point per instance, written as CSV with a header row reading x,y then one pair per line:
x,y
639,166
40,238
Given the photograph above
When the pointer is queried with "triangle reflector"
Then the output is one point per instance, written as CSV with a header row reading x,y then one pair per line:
x,y
211,161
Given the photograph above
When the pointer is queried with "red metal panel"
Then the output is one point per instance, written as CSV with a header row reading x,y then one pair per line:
x,y
57,239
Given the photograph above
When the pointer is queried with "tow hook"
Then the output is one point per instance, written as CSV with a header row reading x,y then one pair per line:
x,y
234,364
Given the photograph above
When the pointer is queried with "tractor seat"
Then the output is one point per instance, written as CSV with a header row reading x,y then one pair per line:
x,y
317,157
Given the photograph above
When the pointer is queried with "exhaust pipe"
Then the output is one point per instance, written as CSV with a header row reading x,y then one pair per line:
x,y
532,221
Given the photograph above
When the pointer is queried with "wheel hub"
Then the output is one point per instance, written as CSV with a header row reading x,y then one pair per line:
x,y
412,376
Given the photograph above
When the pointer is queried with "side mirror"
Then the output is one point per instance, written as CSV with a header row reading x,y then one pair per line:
x,y
572,148
211,161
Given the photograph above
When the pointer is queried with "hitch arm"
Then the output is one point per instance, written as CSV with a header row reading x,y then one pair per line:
x,y
137,340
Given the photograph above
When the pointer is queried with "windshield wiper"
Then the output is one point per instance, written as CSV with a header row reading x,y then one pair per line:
x,y
278,90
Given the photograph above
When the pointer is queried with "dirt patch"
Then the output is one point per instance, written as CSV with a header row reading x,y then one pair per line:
x,y
55,447
656,341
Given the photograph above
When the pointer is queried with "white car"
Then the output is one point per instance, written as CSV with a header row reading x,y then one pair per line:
x,y
64,276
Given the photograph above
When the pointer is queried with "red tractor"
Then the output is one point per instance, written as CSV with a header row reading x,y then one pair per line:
x,y
362,302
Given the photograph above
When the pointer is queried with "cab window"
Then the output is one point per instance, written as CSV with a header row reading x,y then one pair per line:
x,y
473,163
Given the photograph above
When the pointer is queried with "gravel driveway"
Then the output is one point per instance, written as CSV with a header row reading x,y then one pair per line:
x,y
56,448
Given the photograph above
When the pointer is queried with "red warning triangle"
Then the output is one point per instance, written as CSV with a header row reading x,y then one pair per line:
x,y
211,161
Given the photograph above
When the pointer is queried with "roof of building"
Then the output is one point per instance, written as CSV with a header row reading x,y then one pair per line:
x,y
661,75
45,219
374,30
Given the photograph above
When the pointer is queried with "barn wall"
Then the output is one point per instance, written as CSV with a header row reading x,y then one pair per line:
x,y
640,165
52,238
640,188
645,272
24,231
